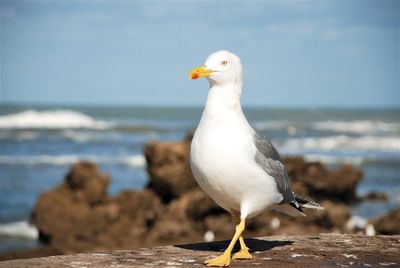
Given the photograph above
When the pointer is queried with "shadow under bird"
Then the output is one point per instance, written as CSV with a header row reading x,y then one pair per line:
x,y
236,166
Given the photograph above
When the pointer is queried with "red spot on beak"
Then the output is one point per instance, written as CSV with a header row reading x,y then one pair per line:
x,y
195,76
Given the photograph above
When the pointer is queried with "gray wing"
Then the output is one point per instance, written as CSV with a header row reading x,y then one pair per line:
x,y
268,158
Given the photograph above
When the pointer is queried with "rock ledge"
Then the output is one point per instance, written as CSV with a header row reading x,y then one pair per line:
x,y
325,250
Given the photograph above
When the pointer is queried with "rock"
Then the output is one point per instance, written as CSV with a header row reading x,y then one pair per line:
x,y
139,212
67,214
55,213
79,216
170,176
312,179
41,251
86,183
196,205
375,196
333,218
168,168
388,224
325,250
185,219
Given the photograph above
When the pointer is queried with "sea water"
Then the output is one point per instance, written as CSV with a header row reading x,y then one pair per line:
x,y
38,144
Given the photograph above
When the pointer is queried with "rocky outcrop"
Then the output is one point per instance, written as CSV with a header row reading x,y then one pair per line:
x,y
170,176
375,196
326,250
168,168
79,216
388,224
313,179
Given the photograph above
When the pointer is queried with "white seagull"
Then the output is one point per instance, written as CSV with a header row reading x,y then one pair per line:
x,y
237,167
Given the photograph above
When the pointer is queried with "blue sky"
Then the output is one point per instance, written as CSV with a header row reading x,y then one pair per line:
x,y
295,53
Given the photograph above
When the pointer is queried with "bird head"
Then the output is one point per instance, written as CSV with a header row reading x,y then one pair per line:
x,y
221,68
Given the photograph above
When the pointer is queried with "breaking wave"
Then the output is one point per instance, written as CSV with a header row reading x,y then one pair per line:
x,y
271,125
131,160
357,126
341,142
331,160
20,229
55,119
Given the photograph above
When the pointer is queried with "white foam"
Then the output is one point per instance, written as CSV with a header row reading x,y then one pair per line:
x,y
55,119
276,125
79,135
130,160
27,135
357,126
329,159
341,142
22,135
134,160
21,229
272,124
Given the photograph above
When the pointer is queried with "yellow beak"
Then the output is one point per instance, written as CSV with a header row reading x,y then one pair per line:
x,y
199,72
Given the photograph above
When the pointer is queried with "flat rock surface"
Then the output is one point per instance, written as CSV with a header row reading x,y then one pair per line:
x,y
325,250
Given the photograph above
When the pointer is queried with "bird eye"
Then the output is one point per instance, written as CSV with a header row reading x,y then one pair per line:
x,y
225,62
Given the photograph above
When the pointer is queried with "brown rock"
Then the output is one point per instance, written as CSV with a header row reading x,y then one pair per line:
x,y
66,217
334,216
168,168
221,225
194,206
314,180
87,183
184,219
138,211
78,216
56,214
197,205
388,224
170,176
375,196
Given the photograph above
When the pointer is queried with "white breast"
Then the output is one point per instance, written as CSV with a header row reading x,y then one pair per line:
x,y
222,161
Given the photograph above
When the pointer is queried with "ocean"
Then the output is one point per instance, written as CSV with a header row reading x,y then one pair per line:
x,y
38,144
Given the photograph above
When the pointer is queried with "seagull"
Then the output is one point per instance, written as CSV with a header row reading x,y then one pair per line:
x,y
236,166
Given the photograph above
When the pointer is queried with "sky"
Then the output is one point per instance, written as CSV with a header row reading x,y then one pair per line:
x,y
294,53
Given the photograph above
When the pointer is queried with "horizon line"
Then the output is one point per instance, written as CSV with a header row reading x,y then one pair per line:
x,y
196,106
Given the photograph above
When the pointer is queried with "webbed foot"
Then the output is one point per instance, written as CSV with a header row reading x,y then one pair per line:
x,y
220,261
243,254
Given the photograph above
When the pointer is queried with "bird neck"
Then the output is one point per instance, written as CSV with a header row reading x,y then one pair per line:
x,y
224,102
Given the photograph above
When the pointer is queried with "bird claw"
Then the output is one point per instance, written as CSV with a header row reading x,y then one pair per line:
x,y
243,254
220,261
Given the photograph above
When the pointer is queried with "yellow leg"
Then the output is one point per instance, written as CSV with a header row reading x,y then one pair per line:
x,y
225,258
244,250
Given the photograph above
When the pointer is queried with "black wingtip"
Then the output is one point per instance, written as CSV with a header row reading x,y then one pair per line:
x,y
306,203
296,206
